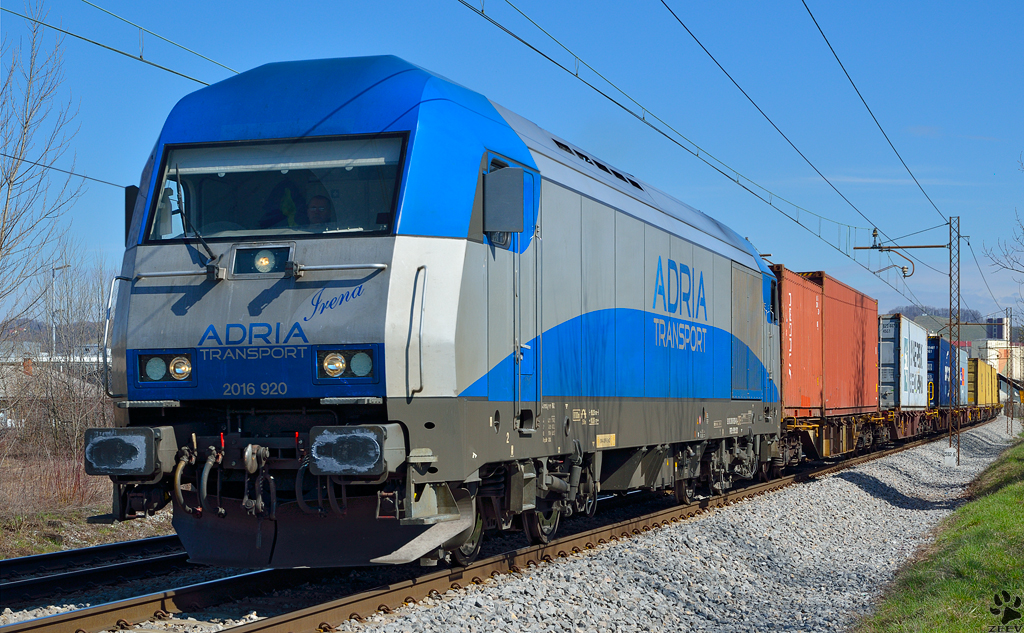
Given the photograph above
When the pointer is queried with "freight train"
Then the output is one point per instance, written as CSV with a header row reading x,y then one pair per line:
x,y
365,315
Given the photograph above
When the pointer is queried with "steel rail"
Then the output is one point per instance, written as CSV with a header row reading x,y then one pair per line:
x,y
41,563
387,598
122,613
23,590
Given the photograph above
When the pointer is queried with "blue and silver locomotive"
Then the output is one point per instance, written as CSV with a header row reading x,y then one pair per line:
x,y
366,314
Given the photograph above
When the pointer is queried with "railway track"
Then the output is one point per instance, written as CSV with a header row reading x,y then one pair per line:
x,y
33,577
321,617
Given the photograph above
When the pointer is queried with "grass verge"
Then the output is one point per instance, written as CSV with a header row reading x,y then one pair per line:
x,y
44,504
978,553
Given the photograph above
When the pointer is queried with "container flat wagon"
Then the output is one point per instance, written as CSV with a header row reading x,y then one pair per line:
x,y
947,386
828,356
982,389
902,374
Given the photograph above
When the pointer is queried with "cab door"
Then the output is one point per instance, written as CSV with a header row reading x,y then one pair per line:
x,y
526,247
510,220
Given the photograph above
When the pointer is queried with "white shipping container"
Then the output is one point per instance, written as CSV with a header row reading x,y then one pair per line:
x,y
902,363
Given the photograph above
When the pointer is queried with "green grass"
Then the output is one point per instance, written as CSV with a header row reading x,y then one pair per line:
x,y
978,552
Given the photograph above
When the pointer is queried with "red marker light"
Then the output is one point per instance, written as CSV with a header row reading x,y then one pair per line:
x,y
222,440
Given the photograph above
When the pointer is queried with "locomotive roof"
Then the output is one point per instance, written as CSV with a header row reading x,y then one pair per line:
x,y
564,153
366,95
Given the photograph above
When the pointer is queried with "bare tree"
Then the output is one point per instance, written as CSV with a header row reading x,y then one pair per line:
x,y
36,129
53,401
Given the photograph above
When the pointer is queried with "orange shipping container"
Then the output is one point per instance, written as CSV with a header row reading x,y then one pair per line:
x,y
829,346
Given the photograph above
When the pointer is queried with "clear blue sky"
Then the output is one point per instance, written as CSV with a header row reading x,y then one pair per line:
x,y
945,79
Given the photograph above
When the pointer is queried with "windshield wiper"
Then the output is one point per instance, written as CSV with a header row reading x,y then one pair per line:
x,y
211,268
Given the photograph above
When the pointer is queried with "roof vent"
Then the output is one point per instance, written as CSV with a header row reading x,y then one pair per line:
x,y
562,146
585,158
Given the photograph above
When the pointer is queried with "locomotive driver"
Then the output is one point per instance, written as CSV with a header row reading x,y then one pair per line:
x,y
319,211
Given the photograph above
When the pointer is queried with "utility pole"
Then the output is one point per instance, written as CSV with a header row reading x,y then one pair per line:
x,y
53,309
954,312
954,325
1009,370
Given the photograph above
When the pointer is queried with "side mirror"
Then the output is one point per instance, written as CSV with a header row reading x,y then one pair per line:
x,y
503,200
131,194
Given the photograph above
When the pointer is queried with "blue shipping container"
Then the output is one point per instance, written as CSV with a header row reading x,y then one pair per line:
x,y
938,373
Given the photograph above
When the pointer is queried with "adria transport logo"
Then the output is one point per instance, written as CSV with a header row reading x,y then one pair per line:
x,y
681,291
247,334
678,295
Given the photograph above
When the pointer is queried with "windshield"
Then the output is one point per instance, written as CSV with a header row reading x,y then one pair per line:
x,y
298,188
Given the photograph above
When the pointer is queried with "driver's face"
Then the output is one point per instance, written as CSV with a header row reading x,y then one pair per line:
x,y
318,210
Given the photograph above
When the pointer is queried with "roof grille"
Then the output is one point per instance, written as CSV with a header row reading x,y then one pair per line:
x,y
584,157
565,148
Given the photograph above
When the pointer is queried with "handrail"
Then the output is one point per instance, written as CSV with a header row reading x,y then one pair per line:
x,y
423,291
293,268
106,327
172,273
296,269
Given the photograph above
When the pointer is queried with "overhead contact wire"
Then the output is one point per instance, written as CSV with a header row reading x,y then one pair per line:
x,y
109,48
781,133
643,119
978,264
63,171
873,117
732,174
157,35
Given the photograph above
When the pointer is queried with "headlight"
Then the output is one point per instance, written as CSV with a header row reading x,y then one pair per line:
x,y
361,364
345,364
156,368
165,367
264,261
334,364
181,368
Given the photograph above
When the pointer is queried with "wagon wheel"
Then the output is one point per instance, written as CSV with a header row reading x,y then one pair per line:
x,y
540,527
686,491
466,553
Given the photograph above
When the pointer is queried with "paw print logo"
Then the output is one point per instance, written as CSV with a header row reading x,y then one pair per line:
x,y
1005,607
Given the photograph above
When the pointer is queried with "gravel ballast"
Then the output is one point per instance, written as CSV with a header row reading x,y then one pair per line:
x,y
810,557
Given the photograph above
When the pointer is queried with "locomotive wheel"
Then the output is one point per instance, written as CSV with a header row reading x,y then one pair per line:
x,y
466,553
686,491
540,527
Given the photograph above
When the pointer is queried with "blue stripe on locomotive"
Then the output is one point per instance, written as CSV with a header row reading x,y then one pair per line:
x,y
241,366
449,126
616,353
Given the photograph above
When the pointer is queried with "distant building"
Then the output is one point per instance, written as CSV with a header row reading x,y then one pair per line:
x,y
1006,357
